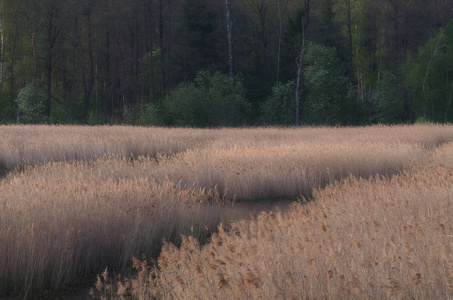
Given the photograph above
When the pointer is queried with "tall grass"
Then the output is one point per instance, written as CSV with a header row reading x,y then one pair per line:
x,y
54,235
27,145
75,200
32,144
377,238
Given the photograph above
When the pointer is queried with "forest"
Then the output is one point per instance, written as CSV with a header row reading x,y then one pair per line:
x,y
221,63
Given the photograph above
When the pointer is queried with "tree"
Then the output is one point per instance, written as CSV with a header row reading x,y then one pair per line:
x,y
279,107
263,26
32,102
326,82
109,59
162,46
301,27
282,8
300,63
210,100
429,76
198,38
388,100
86,59
229,25
11,16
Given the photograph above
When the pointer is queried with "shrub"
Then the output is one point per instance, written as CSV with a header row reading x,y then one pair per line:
x,y
280,107
388,100
7,112
31,101
213,99
153,114
327,98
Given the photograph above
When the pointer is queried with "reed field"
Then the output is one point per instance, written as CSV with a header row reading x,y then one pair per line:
x,y
80,201
377,238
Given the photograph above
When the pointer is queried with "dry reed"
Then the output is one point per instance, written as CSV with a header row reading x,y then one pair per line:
x,y
377,238
85,198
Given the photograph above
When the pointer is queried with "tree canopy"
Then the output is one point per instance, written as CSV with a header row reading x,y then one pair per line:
x,y
225,62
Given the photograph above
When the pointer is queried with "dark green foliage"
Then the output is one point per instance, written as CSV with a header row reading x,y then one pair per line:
x,y
134,61
155,114
187,106
327,100
280,107
429,76
62,115
68,112
212,99
7,112
198,37
388,100
31,102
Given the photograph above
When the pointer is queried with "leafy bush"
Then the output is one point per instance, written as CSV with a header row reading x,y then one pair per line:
x,y
31,101
280,107
187,106
7,112
327,99
388,100
213,99
227,98
61,114
154,114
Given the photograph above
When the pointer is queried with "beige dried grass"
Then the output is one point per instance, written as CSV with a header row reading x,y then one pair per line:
x,y
378,238
90,197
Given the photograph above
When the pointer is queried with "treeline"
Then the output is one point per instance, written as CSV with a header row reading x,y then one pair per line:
x,y
226,62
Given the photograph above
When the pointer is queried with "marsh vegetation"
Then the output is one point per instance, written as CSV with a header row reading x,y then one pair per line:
x,y
80,201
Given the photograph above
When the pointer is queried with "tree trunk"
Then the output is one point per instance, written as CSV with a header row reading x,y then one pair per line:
x,y
280,32
448,104
424,84
229,23
299,76
161,44
150,48
50,40
108,86
370,106
280,29
89,78
307,14
349,24
351,61
360,86
2,53
305,30
13,60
